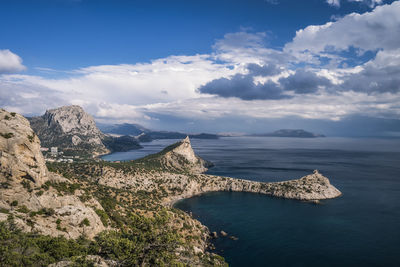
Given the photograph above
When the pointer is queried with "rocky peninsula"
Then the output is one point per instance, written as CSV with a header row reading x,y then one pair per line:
x,y
180,175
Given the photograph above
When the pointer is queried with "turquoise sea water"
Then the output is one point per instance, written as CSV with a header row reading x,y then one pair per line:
x,y
361,228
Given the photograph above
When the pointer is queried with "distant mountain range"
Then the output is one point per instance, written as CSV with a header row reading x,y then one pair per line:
x,y
291,133
145,135
123,129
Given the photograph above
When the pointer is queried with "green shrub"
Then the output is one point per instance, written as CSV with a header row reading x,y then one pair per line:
x,y
23,209
48,211
26,184
27,249
84,222
103,216
31,137
7,135
147,241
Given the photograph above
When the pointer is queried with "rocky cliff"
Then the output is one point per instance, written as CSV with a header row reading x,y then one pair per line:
x,y
26,196
178,157
74,131
69,128
20,155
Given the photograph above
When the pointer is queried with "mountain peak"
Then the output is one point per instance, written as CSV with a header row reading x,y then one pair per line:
x,y
72,119
69,127
185,149
180,156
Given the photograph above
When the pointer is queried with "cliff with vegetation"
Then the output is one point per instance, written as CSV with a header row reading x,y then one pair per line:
x,y
72,220
27,197
113,214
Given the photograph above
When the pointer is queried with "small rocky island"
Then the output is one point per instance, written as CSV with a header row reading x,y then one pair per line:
x,y
113,214
298,133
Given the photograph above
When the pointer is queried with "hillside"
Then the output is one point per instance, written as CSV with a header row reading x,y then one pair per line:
x,y
72,220
113,214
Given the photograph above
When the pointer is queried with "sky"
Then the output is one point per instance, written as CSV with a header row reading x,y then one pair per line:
x,y
245,66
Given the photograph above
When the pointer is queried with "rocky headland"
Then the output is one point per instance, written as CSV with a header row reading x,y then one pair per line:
x,y
180,174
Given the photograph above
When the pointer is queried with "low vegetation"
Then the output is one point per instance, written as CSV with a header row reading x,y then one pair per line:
x,y
140,230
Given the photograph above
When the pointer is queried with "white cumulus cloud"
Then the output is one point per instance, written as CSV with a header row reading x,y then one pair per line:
x,y
10,62
335,3
378,29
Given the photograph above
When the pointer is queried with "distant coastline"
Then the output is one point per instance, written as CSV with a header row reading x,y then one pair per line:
x,y
299,133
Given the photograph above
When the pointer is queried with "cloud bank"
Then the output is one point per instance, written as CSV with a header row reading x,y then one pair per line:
x,y
370,3
322,73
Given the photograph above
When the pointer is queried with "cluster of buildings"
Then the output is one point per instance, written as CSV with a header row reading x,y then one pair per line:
x,y
53,155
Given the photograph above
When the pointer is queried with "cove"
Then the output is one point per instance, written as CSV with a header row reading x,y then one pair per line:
x,y
280,232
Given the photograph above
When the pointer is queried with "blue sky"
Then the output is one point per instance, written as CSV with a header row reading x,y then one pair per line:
x,y
68,34
207,65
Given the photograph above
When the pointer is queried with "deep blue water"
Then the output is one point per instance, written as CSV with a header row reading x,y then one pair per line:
x,y
361,228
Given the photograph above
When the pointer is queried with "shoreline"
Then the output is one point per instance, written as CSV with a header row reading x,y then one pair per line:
x,y
229,184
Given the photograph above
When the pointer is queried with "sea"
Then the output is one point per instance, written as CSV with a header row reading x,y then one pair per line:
x,y
360,228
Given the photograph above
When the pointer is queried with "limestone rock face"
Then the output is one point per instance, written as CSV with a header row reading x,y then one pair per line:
x,y
23,187
20,155
69,127
73,120
185,149
181,156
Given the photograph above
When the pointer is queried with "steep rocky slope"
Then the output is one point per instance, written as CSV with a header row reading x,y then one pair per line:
x,y
178,157
74,131
25,194
70,128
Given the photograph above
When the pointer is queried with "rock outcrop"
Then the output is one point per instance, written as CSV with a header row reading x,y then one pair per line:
x,y
20,155
25,192
180,156
71,128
